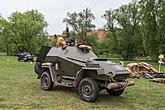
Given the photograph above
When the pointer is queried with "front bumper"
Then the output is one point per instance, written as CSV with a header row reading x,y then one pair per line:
x,y
119,85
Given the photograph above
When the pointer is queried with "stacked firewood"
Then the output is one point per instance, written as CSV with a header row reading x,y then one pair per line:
x,y
159,80
146,70
138,69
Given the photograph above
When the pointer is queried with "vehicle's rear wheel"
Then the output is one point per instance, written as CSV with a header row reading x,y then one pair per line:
x,y
88,90
46,81
115,92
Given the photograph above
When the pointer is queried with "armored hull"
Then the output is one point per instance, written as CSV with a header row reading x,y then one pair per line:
x,y
74,66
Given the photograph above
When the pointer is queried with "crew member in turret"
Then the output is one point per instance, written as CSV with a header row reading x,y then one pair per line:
x,y
60,42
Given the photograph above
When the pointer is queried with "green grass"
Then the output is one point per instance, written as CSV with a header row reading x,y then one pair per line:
x,y
19,89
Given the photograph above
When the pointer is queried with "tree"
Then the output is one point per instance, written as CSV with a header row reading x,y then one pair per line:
x,y
149,9
5,36
80,22
67,32
92,40
24,32
1,29
108,44
124,25
161,25
110,18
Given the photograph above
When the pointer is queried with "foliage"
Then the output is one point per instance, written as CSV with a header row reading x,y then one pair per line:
x,y
124,25
5,36
110,18
137,29
51,42
67,32
23,32
80,22
92,40
106,46
153,30
161,23
150,27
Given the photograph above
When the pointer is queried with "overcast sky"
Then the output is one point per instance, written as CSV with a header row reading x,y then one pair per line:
x,y
55,10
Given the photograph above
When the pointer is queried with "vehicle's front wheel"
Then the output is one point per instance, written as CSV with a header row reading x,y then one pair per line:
x,y
115,92
88,90
46,81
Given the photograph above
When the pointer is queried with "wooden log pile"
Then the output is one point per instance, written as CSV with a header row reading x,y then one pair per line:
x,y
146,70
138,69
159,80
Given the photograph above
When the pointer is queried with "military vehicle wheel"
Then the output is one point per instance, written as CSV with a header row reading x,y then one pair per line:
x,y
46,81
115,93
88,90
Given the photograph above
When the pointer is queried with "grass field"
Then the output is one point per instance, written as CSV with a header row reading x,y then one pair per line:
x,y
19,89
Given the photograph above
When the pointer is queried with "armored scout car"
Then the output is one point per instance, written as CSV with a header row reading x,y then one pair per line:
x,y
82,69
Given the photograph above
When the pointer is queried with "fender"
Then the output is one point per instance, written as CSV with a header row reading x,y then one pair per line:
x,y
51,69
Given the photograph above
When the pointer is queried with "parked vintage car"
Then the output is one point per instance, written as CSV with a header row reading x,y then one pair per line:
x,y
25,56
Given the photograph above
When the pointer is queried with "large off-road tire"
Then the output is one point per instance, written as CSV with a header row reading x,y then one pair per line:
x,y
88,89
112,92
38,69
46,81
